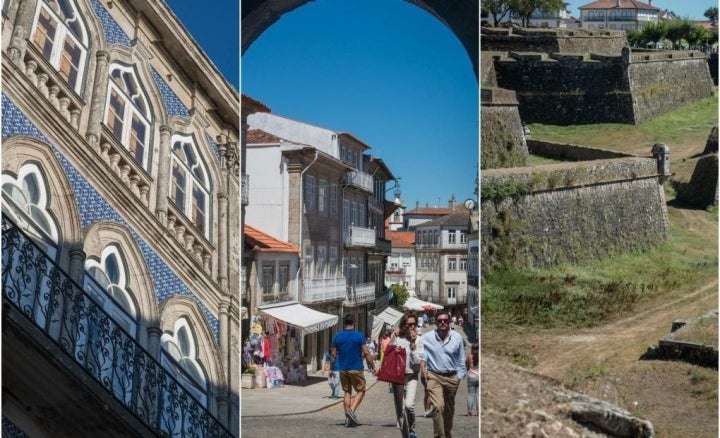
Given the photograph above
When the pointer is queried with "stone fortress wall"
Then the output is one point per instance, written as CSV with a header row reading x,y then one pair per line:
x,y
578,76
551,40
601,203
572,212
566,89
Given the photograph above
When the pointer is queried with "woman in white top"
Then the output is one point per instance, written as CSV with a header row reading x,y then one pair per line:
x,y
406,336
472,363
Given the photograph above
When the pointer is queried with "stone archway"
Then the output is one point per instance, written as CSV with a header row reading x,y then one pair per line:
x,y
460,16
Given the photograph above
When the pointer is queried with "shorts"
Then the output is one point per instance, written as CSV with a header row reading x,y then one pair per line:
x,y
352,379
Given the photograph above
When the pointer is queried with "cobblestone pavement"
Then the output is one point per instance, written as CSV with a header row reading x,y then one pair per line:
x,y
376,415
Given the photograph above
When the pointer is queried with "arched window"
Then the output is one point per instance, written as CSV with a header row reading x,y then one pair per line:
x,y
60,35
106,280
26,200
180,357
127,113
190,188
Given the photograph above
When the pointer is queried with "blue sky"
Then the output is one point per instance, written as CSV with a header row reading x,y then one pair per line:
x,y
215,26
692,9
388,73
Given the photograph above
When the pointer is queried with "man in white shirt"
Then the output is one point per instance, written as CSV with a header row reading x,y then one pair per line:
x,y
443,369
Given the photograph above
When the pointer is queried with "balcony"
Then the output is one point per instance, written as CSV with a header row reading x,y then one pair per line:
x,y
360,180
360,294
383,246
360,237
317,290
84,364
245,189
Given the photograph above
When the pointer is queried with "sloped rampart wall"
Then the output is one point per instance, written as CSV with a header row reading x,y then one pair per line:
x,y
566,213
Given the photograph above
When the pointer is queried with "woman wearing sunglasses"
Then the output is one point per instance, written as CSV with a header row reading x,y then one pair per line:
x,y
406,336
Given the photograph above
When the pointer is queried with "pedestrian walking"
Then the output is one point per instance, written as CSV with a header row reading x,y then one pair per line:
x,y
472,362
443,369
333,374
406,336
348,348
373,351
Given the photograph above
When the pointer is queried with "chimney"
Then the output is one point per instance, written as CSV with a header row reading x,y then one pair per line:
x,y
451,204
618,3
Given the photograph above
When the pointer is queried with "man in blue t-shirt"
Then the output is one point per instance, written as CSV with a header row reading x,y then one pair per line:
x,y
348,348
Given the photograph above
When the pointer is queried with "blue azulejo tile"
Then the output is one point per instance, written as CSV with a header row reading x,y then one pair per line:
x,y
113,32
173,104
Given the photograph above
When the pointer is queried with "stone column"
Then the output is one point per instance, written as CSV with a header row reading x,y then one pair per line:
x,y
223,389
21,31
222,253
163,177
77,264
97,103
153,343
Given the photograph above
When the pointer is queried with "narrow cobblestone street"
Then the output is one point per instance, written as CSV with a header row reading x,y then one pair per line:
x,y
376,414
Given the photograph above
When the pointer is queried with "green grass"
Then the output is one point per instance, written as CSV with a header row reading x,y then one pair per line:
x,y
691,123
588,294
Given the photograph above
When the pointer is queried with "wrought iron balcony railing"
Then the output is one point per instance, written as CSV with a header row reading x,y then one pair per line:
x,y
360,294
359,236
60,308
316,290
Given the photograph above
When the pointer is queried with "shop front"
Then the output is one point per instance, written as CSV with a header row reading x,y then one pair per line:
x,y
274,348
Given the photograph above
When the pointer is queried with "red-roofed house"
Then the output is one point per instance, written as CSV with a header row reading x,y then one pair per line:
x,y
420,215
400,267
270,265
618,14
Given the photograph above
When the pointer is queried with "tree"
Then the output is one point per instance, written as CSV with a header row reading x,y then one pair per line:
x,y
712,15
525,8
498,8
696,35
400,295
654,32
635,38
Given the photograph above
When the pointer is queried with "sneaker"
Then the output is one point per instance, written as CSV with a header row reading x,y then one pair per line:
x,y
430,413
412,435
352,418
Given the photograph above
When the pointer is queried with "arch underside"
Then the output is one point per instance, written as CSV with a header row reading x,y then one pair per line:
x,y
460,16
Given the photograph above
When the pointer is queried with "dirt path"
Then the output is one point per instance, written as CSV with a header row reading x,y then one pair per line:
x,y
680,399
620,341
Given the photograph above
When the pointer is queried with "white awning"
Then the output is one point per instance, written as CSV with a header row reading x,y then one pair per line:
x,y
388,316
295,314
417,304
243,313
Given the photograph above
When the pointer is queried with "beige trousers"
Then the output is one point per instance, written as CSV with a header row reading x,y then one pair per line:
x,y
441,393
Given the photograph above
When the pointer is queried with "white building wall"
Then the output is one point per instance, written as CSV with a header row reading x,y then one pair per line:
x,y
323,139
269,191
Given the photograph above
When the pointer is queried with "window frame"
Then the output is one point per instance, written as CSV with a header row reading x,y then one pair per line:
x,y
130,109
61,35
191,182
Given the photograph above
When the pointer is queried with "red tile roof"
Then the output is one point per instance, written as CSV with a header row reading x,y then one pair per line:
x,y
429,210
254,105
401,239
613,4
258,136
262,242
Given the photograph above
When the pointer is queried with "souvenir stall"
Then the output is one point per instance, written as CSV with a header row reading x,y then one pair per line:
x,y
274,346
